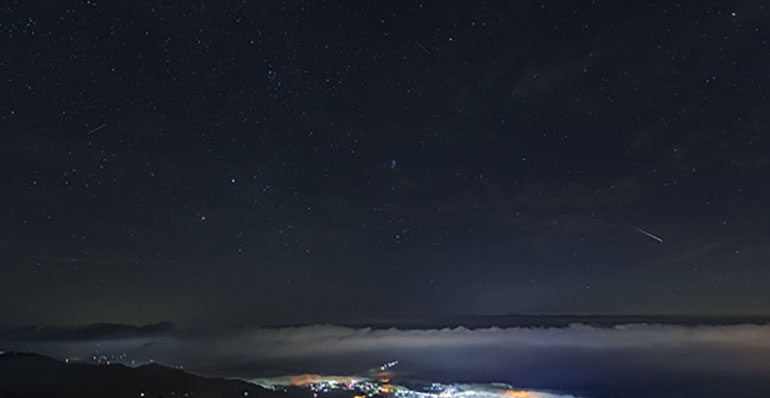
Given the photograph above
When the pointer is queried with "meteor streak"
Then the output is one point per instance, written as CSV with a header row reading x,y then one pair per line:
x,y
97,128
649,235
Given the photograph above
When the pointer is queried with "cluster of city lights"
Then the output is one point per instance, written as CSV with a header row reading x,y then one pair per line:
x,y
378,384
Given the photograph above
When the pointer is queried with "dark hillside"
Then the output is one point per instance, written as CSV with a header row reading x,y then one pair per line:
x,y
31,375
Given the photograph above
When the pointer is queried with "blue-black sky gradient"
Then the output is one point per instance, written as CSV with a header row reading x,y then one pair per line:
x,y
292,162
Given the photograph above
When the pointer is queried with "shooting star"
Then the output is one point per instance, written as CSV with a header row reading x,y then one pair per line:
x,y
422,47
97,128
649,235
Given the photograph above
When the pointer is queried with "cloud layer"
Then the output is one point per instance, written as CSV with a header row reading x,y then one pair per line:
x,y
96,331
579,359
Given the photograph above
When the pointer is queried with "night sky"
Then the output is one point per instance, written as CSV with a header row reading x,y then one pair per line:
x,y
287,162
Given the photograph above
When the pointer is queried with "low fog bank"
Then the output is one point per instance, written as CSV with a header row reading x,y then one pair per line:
x,y
637,360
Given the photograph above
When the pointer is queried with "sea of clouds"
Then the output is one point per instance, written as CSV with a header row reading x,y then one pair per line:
x,y
624,360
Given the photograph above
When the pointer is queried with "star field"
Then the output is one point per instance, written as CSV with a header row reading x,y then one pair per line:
x,y
313,161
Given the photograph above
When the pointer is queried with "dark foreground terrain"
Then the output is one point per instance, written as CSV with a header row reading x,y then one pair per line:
x,y
25,375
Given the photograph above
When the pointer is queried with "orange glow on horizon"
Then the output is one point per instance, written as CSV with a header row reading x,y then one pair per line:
x,y
304,379
519,394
